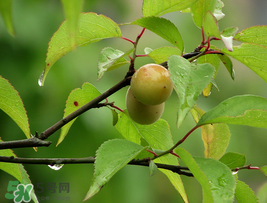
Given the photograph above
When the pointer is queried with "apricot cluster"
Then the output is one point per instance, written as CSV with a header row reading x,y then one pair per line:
x,y
150,87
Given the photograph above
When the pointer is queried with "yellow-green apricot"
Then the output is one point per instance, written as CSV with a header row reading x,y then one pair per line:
x,y
141,113
151,84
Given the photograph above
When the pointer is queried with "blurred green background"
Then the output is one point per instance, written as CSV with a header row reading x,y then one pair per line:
x,y
22,61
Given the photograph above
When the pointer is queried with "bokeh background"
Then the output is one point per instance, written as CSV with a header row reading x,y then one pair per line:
x,y
22,61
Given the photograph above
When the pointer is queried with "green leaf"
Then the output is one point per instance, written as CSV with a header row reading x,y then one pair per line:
x,y
16,170
12,105
162,27
77,98
91,28
262,193
221,181
210,26
264,170
6,12
233,160
228,64
216,138
218,10
72,11
189,81
238,110
111,156
159,7
152,168
215,62
253,56
199,10
114,116
229,32
198,174
244,194
162,54
26,180
254,34
127,128
158,136
111,59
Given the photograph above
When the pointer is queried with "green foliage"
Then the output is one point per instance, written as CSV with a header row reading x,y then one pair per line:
x,y
254,34
75,101
239,110
210,26
252,55
111,59
72,12
162,54
189,81
92,28
158,7
243,193
233,160
111,156
6,12
162,27
12,105
16,170
199,10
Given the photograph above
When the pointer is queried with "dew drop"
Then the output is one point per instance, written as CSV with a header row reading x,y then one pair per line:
x,y
40,80
56,166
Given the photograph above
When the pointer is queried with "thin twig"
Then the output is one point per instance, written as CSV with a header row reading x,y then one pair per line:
x,y
31,142
89,160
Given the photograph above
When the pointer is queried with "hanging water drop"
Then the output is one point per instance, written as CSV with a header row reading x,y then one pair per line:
x,y
56,166
40,80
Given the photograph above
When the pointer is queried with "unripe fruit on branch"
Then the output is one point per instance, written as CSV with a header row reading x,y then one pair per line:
x,y
141,113
151,84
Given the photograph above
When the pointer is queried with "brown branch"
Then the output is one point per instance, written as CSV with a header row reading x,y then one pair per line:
x,y
89,160
92,104
31,142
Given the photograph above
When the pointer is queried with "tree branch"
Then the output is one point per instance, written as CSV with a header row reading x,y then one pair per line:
x,y
31,142
88,160
92,104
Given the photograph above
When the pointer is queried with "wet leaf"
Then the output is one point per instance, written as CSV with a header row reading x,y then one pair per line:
x,y
158,136
111,156
189,81
221,181
91,28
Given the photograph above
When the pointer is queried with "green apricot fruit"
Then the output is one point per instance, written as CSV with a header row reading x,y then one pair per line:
x,y
151,84
141,113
